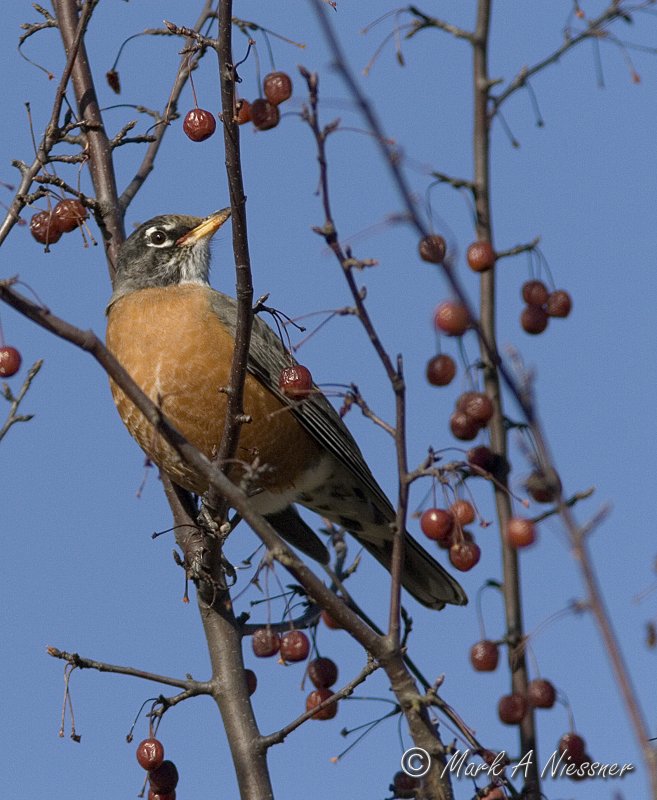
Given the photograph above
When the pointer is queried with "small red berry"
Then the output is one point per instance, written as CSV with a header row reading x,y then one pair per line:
x,y
484,656
242,112
265,642
264,114
534,320
535,293
164,778
436,523
463,511
480,256
323,672
432,249
463,426
295,646
452,318
251,681
464,555
441,370
150,753
318,696
573,747
330,621
520,532
277,87
152,795
69,215
512,708
199,124
476,405
10,361
541,693
559,304
445,544
44,228
295,381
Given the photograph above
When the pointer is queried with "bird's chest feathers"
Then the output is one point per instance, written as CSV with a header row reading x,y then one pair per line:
x,y
179,352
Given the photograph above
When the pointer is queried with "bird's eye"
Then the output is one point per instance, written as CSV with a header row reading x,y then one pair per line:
x,y
158,237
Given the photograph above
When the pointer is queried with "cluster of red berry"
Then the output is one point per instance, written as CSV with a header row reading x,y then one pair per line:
x,y
263,112
47,227
541,305
162,774
294,646
200,124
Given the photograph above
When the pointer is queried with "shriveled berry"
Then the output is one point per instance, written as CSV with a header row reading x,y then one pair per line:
x,y
520,532
150,753
535,293
164,778
484,656
323,672
404,785
559,304
199,124
69,215
512,708
264,114
464,555
476,405
277,87
295,646
437,523
533,320
541,693
10,361
452,318
480,256
44,228
318,696
242,112
441,370
463,511
251,681
295,381
543,486
265,642
463,426
482,457
432,249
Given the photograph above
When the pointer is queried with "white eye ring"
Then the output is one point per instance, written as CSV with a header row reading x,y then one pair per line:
x,y
157,237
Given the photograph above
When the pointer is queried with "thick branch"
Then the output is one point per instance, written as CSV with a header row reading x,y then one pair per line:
x,y
101,166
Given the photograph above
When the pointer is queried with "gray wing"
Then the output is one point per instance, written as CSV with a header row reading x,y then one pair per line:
x,y
267,357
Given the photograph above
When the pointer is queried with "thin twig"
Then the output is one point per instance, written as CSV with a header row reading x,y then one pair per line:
x,y
279,736
190,686
13,417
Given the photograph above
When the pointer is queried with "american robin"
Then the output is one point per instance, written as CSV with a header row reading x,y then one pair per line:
x,y
175,336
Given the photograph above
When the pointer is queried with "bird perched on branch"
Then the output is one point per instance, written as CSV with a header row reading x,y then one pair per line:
x,y
175,336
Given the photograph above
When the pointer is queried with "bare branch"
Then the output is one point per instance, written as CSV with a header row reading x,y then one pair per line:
x,y
13,417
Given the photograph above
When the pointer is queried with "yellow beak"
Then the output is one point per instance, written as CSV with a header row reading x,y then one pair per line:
x,y
208,227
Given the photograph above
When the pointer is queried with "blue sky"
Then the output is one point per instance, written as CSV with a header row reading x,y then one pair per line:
x,y
79,568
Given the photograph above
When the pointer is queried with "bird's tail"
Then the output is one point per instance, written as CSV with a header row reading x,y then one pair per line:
x,y
422,576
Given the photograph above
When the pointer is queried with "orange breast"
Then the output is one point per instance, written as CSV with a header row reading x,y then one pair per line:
x,y
179,353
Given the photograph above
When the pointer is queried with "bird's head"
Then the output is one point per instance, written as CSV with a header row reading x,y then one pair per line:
x,y
166,250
